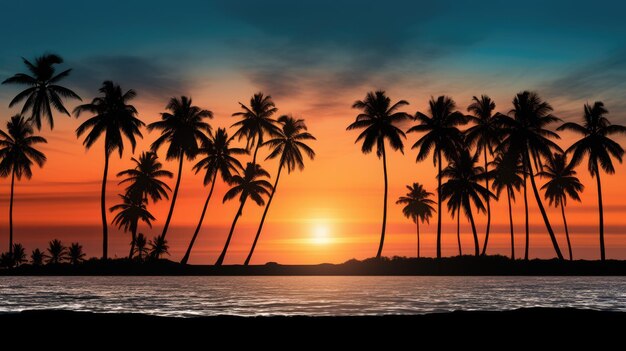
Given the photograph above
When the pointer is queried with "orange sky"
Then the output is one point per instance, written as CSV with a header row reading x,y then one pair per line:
x,y
338,195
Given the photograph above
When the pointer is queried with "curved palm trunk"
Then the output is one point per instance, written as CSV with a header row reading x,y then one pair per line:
x,y
508,195
417,222
439,205
195,233
220,259
526,216
476,248
488,206
11,214
256,149
267,206
602,252
569,245
169,214
132,243
543,211
105,228
458,232
382,233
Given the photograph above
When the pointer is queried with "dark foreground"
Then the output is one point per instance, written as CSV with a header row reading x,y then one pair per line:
x,y
465,265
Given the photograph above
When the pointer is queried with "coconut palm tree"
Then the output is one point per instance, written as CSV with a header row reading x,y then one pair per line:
x,y
289,146
256,122
562,182
158,247
37,257
485,134
144,179
526,134
250,185
17,155
508,175
19,255
131,211
442,137
112,117
462,188
417,206
596,143
219,158
184,130
75,254
379,119
141,250
57,252
43,92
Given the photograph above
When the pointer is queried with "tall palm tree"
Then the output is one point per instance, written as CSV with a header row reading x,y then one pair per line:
x,y
289,146
113,117
57,252
442,137
486,135
250,185
75,253
17,155
507,175
417,206
596,142
19,255
43,92
219,158
526,135
462,188
141,251
184,129
144,178
256,122
379,118
158,247
131,211
562,182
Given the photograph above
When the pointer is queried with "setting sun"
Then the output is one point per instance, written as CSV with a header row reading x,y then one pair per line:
x,y
321,234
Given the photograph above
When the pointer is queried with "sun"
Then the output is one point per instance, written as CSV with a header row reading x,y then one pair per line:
x,y
320,234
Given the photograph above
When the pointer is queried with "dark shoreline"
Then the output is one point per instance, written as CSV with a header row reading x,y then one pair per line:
x,y
459,266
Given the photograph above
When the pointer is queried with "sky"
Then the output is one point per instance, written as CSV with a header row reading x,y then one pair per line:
x,y
315,58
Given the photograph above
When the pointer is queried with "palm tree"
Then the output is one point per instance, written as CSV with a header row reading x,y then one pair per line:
x,y
562,182
596,142
141,251
256,121
17,155
442,137
462,188
19,255
184,129
379,118
289,146
113,117
506,175
57,252
486,135
417,206
131,211
526,135
158,247
76,254
37,257
247,186
43,92
218,159
144,178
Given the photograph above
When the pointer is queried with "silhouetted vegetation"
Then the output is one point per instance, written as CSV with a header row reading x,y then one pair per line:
x,y
57,252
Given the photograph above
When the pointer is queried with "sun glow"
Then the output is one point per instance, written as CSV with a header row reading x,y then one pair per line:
x,y
320,234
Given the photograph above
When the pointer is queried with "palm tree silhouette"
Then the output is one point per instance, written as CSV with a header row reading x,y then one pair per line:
x,y
379,118
526,134
17,155
506,175
486,135
113,117
158,247
442,137
218,159
19,255
562,182
256,121
43,92
141,251
57,252
75,254
184,129
247,186
596,142
37,257
131,211
462,188
417,206
144,178
288,145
